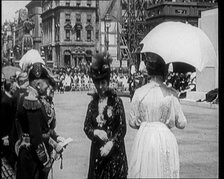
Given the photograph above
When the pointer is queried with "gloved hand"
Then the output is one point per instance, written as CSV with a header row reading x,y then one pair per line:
x,y
105,150
5,141
60,139
56,146
59,148
101,134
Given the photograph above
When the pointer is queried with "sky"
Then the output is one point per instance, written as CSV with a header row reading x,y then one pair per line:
x,y
9,7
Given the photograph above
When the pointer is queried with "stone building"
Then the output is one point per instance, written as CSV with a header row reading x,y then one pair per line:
x,y
8,41
110,29
69,31
19,33
34,13
176,10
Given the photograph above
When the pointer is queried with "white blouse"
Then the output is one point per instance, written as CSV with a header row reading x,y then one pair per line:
x,y
150,105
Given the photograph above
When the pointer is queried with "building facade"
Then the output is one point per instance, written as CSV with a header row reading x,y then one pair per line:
x,y
110,29
19,34
8,42
34,13
69,32
176,10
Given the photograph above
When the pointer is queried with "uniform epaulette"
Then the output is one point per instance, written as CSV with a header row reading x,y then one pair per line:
x,y
31,103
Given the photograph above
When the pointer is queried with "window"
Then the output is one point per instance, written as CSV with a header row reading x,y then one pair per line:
x,y
78,35
78,17
78,2
88,18
88,35
67,34
97,35
57,31
67,3
67,18
89,3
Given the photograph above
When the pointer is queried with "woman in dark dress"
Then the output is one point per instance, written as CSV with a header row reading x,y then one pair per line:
x,y
105,125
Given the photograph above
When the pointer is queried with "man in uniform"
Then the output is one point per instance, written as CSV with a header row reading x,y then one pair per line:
x,y
36,117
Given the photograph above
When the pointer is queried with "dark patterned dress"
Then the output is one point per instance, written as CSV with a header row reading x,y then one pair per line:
x,y
114,165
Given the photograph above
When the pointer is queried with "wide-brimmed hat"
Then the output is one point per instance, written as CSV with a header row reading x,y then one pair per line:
x,y
100,66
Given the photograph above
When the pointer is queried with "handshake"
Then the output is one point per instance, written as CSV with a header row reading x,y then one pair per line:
x,y
105,150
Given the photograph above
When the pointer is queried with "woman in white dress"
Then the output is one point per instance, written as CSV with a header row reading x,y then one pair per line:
x,y
155,109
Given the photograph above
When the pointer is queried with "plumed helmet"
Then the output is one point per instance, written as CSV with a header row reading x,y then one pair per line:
x,y
40,71
100,66
34,66
29,58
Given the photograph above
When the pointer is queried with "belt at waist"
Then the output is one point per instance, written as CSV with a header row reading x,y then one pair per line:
x,y
154,124
44,135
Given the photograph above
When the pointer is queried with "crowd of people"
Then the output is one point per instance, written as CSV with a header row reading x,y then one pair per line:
x,y
76,79
181,82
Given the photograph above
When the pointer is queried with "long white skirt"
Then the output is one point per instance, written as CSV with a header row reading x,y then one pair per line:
x,y
154,153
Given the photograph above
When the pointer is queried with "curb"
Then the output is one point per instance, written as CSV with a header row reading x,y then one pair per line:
x,y
199,104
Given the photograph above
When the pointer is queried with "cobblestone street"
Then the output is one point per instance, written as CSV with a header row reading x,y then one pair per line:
x,y
198,142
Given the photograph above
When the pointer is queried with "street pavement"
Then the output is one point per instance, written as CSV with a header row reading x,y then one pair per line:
x,y
198,142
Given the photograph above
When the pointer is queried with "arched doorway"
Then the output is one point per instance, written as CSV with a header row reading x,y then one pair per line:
x,y
67,58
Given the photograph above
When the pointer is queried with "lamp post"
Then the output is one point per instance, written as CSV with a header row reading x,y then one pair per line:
x,y
107,25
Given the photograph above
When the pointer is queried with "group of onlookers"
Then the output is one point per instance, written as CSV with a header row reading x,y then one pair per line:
x,y
182,82
73,79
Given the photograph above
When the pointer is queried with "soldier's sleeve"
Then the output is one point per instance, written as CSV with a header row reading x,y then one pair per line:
x,y
33,108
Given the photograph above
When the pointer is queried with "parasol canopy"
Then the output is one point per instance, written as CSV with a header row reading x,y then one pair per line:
x,y
180,42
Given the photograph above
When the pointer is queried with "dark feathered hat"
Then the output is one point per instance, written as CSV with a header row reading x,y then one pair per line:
x,y
100,66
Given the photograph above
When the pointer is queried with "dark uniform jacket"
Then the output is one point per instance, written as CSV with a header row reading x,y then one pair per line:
x,y
37,120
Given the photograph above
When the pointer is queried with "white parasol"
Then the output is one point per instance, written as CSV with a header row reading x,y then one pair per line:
x,y
180,42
